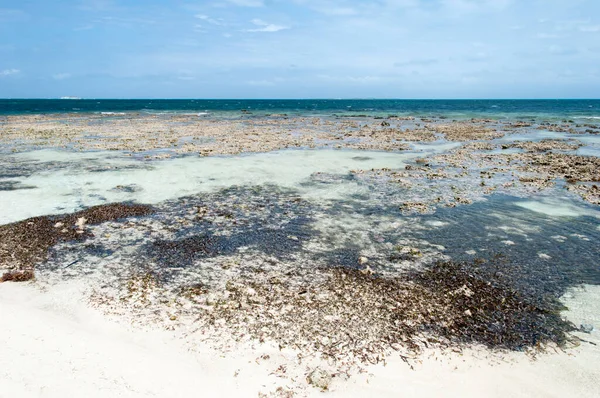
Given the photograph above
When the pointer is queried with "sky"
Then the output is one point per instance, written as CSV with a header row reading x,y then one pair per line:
x,y
300,48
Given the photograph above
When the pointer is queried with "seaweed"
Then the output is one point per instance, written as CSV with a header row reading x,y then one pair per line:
x,y
25,243
364,316
17,276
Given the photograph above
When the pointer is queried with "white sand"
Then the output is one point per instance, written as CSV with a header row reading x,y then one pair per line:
x,y
53,346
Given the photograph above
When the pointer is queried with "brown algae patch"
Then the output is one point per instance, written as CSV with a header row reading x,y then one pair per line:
x,y
25,243
355,317
17,276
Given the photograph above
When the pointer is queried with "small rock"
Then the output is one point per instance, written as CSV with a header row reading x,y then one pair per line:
x,y
81,222
363,260
586,328
319,378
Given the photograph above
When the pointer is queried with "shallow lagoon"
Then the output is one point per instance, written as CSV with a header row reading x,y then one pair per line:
x,y
61,181
349,218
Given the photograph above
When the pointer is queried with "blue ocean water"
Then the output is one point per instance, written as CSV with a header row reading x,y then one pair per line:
x,y
458,109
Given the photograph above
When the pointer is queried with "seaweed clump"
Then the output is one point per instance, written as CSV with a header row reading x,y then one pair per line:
x,y
358,316
17,276
472,305
25,243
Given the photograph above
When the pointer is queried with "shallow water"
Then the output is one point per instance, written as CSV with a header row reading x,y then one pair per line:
x,y
303,208
62,181
547,245
538,135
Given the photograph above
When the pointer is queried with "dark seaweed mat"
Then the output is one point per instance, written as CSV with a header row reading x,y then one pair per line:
x,y
266,219
25,243
187,250
493,313
447,305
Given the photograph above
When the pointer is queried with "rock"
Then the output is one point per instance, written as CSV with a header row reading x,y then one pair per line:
x,y
81,222
319,378
363,260
586,328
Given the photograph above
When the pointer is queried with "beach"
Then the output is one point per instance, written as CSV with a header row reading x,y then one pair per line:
x,y
280,252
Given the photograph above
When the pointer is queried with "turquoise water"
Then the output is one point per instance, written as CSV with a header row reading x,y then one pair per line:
x,y
581,110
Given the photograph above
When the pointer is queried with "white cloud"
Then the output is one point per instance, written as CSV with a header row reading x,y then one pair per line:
x,y
9,72
265,27
208,19
61,76
247,3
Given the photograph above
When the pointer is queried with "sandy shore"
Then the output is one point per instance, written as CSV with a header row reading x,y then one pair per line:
x,y
54,346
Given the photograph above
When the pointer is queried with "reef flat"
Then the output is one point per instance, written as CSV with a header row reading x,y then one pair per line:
x,y
345,241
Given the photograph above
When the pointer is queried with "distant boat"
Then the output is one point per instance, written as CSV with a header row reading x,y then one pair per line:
x,y
71,98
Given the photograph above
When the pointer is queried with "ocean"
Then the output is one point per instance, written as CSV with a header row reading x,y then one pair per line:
x,y
455,109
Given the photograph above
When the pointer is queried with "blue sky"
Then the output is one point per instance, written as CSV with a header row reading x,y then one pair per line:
x,y
300,48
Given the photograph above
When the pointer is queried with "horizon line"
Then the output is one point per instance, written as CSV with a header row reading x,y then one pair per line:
x,y
75,98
